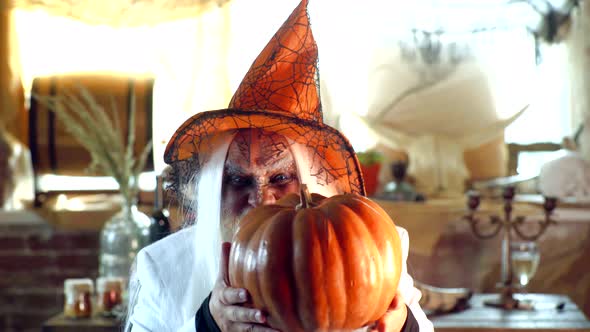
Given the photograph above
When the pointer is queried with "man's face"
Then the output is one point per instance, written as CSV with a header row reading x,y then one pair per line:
x,y
259,169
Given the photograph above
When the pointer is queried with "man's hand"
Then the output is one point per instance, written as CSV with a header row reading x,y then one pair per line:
x,y
394,318
225,303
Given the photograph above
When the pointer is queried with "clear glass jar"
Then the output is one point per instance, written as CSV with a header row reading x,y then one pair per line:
x,y
78,293
121,239
109,294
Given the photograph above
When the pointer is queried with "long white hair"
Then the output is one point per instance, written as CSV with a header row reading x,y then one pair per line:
x,y
207,186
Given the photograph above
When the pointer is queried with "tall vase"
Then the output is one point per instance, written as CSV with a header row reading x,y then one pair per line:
x,y
121,239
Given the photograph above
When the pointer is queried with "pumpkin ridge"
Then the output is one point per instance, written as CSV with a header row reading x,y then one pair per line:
x,y
321,225
292,275
320,232
333,244
326,209
348,225
298,235
373,259
260,278
252,280
336,319
378,262
374,206
396,240
246,229
308,262
276,233
392,245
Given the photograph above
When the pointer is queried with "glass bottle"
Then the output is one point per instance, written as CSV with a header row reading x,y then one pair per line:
x,y
399,189
121,239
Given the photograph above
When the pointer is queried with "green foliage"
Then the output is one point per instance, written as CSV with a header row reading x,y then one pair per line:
x,y
369,157
102,135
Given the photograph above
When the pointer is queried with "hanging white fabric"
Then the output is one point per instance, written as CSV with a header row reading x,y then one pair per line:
x,y
121,12
436,88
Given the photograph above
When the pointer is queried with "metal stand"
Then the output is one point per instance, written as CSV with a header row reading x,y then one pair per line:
x,y
507,224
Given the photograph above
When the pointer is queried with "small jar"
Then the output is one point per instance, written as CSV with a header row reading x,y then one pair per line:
x,y
109,294
78,294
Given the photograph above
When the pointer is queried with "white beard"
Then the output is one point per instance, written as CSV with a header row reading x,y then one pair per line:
x,y
230,223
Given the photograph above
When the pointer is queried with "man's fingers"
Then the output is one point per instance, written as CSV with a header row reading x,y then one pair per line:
x,y
245,315
223,267
231,296
243,327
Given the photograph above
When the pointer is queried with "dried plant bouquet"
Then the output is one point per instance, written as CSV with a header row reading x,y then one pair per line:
x,y
101,134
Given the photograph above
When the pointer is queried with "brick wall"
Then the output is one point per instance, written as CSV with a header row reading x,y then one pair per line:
x,y
35,259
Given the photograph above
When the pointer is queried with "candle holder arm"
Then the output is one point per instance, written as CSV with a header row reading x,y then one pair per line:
x,y
474,222
520,221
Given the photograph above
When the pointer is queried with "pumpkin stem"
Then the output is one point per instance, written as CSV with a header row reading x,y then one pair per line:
x,y
305,197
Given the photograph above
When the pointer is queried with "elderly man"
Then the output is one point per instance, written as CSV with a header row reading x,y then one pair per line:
x,y
268,141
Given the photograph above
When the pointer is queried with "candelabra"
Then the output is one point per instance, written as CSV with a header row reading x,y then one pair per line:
x,y
508,225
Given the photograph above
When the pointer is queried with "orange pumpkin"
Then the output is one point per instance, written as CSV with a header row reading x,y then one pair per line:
x,y
314,263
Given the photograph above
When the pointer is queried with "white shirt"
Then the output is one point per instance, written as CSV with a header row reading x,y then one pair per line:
x,y
161,286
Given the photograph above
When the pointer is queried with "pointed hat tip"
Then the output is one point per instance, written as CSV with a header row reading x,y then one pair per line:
x,y
283,77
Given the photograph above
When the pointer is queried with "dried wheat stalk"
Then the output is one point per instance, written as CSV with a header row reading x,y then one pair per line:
x,y
101,134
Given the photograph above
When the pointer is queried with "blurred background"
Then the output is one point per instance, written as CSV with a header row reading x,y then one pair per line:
x,y
446,97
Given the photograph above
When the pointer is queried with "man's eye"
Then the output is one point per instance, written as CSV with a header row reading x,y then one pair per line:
x,y
239,181
281,179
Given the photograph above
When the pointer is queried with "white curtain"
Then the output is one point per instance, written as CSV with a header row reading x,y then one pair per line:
x,y
120,12
578,44
454,84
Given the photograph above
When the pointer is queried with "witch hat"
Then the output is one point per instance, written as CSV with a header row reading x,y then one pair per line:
x,y
280,94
